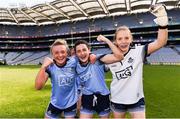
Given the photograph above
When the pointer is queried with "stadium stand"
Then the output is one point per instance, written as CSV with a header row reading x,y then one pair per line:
x,y
30,44
26,58
164,56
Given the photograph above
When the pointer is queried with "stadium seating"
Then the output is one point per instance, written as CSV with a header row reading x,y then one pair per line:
x,y
138,20
165,55
30,44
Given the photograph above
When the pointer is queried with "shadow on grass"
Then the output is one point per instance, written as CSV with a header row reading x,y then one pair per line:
x,y
47,87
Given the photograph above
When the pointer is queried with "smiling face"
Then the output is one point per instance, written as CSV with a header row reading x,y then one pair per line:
x,y
59,50
82,52
123,39
60,54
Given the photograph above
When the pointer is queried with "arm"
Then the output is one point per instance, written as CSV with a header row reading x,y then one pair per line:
x,y
162,20
42,76
160,42
110,58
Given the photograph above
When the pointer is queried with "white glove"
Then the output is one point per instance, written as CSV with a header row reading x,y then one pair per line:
x,y
160,12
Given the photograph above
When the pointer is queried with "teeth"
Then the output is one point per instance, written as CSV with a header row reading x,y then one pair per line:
x,y
123,46
84,57
61,59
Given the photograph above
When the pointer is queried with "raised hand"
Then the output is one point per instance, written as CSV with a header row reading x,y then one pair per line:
x,y
159,11
47,61
101,38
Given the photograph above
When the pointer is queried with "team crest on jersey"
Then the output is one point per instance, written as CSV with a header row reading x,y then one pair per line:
x,y
85,77
130,60
70,69
123,74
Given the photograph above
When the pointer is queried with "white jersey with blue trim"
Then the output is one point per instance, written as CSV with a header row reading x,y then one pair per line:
x,y
64,84
92,78
127,83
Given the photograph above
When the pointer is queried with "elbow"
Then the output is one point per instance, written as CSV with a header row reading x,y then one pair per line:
x,y
120,57
38,87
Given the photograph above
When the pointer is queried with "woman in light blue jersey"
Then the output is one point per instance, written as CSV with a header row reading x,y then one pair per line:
x,y
61,71
95,94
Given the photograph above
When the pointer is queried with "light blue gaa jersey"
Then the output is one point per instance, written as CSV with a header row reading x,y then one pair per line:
x,y
92,78
64,84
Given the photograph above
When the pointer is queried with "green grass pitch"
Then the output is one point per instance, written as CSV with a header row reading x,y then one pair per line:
x,y
19,99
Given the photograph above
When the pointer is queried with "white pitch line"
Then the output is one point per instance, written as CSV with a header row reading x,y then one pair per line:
x,y
108,79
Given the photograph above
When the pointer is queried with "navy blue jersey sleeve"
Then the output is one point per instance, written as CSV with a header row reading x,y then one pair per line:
x,y
146,51
99,58
48,71
106,68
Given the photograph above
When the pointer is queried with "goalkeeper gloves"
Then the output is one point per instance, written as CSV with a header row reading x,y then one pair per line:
x,y
160,12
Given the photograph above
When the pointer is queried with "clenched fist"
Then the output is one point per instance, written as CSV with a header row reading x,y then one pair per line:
x,y
47,61
101,38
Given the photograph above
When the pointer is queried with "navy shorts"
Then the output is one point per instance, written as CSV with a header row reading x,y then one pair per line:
x,y
54,112
95,103
136,107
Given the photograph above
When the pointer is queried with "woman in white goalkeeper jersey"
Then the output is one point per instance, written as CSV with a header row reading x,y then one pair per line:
x,y
127,85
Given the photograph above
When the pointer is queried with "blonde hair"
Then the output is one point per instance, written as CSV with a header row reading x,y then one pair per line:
x,y
59,42
122,28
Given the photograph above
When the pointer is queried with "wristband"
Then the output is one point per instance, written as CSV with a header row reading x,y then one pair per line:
x,y
163,27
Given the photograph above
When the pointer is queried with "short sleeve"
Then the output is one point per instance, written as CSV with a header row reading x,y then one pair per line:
x,y
48,71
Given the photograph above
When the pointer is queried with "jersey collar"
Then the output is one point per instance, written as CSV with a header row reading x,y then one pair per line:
x,y
61,65
127,51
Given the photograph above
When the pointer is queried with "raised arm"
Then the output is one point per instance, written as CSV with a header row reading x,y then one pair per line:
x,y
162,20
110,58
42,76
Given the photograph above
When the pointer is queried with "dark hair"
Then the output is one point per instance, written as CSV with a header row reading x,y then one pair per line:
x,y
81,42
